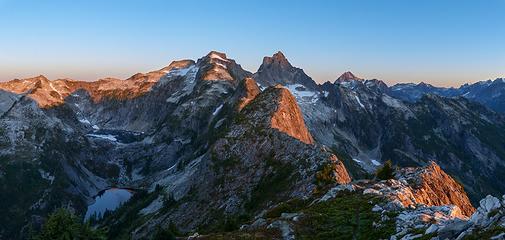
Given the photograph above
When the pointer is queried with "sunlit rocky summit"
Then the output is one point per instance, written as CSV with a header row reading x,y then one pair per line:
x,y
207,150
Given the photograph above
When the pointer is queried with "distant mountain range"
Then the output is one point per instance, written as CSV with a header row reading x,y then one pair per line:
x,y
489,93
212,148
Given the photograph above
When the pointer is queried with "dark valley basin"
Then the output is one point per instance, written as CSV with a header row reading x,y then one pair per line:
x,y
108,200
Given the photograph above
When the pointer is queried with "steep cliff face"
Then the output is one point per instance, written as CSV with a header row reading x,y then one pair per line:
x,y
287,117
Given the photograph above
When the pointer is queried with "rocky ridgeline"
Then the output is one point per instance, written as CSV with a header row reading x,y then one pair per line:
x,y
50,93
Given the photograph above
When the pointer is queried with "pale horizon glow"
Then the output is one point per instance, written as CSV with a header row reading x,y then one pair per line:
x,y
444,43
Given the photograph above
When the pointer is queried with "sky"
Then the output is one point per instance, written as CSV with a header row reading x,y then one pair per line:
x,y
442,42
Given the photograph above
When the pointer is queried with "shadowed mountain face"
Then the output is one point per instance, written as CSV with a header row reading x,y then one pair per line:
x,y
346,77
277,70
210,144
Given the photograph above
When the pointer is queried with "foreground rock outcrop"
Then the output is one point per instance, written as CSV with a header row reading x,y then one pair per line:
x,y
428,185
387,209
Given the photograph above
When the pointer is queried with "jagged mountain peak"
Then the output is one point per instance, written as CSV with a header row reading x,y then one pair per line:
x,y
346,76
217,55
217,66
423,84
215,58
277,70
278,59
39,78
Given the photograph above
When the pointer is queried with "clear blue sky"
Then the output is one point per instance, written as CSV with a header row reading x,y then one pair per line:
x,y
436,41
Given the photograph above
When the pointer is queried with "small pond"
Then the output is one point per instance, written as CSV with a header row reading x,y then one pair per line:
x,y
109,199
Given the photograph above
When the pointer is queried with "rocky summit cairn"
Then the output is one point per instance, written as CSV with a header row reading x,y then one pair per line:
x,y
277,60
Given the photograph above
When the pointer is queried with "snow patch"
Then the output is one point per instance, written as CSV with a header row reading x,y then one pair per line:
x,y
178,71
221,65
189,84
85,121
105,136
54,89
46,175
391,102
215,56
375,162
217,110
299,92
261,87
359,101
302,94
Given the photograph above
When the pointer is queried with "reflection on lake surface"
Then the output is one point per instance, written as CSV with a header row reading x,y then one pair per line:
x,y
109,199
